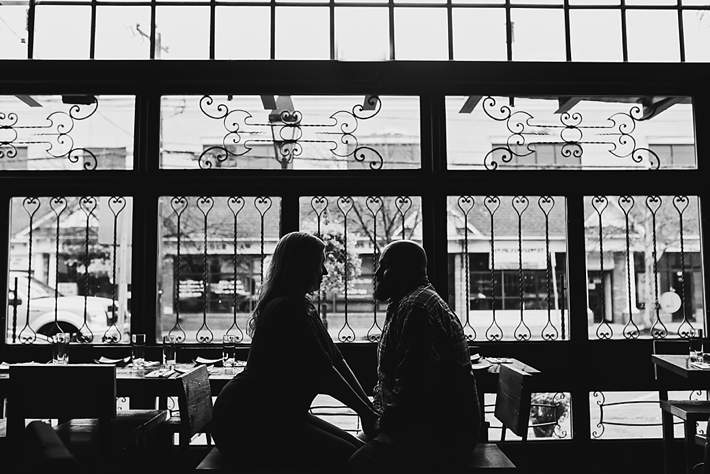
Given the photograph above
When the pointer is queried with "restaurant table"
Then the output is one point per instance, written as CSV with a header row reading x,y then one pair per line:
x,y
678,365
143,390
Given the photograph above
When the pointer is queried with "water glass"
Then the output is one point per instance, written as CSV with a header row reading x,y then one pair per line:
x,y
170,351
60,346
696,346
229,350
138,350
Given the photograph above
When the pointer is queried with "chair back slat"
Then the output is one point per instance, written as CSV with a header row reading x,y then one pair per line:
x,y
195,400
513,399
60,392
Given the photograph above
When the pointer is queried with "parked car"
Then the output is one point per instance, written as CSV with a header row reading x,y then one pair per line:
x,y
70,309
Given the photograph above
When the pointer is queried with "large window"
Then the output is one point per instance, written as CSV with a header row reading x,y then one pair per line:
x,y
563,214
541,30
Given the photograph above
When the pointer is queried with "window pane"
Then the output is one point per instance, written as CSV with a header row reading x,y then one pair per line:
x,y
84,287
594,2
420,33
550,415
362,34
302,33
232,275
652,35
71,132
182,32
632,291
696,31
62,32
352,253
696,2
538,35
624,415
122,32
13,32
652,2
479,34
242,33
290,132
587,43
489,302
614,132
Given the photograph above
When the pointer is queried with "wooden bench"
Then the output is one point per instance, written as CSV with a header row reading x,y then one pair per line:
x,y
487,458
512,409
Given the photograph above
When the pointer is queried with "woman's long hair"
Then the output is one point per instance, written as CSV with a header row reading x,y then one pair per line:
x,y
295,260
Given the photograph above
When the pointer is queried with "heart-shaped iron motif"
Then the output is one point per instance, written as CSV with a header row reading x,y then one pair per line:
x,y
31,205
116,204
491,203
403,204
653,203
626,203
235,204
178,204
520,204
345,204
374,204
262,204
599,203
88,204
680,203
58,204
465,203
546,204
205,204
319,204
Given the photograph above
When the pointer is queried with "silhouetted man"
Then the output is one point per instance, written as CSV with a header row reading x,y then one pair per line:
x,y
426,394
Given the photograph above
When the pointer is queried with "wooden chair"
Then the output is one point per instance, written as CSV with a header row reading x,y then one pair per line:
x,y
83,399
195,406
690,411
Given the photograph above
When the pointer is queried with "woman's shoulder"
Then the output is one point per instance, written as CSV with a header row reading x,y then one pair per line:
x,y
284,304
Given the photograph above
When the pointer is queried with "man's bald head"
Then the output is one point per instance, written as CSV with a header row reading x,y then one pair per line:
x,y
402,267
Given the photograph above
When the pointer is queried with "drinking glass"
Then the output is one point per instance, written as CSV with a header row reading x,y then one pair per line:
x,y
138,349
60,346
229,350
169,351
696,345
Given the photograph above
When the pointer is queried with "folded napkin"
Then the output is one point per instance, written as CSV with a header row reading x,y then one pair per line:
x,y
700,365
4,366
109,361
161,373
204,361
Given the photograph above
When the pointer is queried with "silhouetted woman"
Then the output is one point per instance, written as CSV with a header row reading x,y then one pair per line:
x,y
261,416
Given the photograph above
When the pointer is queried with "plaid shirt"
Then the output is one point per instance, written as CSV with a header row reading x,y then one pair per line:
x,y
423,366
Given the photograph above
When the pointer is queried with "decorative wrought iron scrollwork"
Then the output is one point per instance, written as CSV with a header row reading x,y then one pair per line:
x,y
235,205
58,205
403,204
178,204
204,334
549,331
88,205
626,203
319,204
55,135
116,205
525,134
465,204
345,205
604,330
374,205
286,130
494,332
559,399
658,329
686,329
600,401
31,205
520,205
